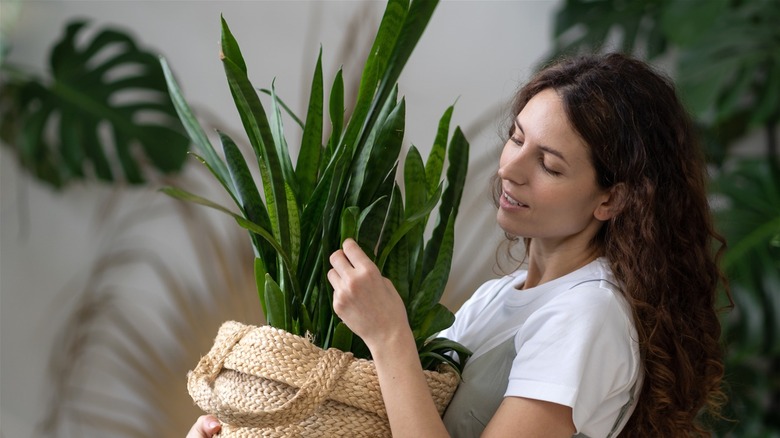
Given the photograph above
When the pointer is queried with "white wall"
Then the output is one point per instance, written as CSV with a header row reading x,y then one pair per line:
x,y
477,52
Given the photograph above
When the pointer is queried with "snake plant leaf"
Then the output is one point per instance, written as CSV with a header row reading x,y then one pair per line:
x,y
294,225
415,183
393,258
247,195
407,224
443,351
276,305
195,131
349,223
435,279
444,343
336,110
370,222
258,129
450,202
437,319
184,195
342,337
227,184
435,163
382,68
282,150
306,325
260,272
324,314
285,107
383,154
373,71
416,20
324,208
440,350
430,359
360,165
229,46
308,166
106,83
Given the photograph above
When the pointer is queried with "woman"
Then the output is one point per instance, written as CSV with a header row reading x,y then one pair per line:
x,y
611,327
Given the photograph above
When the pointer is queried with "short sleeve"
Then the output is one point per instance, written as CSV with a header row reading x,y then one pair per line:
x,y
577,351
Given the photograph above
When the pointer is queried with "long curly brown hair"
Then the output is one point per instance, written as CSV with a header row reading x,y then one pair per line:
x,y
661,244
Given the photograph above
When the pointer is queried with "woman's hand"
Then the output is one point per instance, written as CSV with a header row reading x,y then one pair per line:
x,y
366,301
207,426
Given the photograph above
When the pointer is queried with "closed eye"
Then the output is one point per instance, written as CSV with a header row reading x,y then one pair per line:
x,y
547,169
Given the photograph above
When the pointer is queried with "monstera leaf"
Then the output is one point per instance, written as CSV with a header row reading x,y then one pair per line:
x,y
104,113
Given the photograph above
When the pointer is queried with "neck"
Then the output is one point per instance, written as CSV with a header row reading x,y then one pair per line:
x,y
546,263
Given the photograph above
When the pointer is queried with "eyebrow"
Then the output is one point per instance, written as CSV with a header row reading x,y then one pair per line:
x,y
546,149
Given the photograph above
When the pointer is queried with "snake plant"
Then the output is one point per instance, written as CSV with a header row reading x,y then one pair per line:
x,y
344,187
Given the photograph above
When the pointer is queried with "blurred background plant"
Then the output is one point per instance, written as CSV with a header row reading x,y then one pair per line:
x,y
724,56
104,112
103,115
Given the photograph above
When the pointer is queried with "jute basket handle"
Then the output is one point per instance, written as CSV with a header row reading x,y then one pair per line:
x,y
312,393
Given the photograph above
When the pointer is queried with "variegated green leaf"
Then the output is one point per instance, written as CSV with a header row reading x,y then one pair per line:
x,y
308,166
435,163
276,305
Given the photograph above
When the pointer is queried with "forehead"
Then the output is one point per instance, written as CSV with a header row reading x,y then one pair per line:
x,y
543,120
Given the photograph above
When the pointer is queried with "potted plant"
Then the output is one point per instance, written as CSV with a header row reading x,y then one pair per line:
x,y
344,187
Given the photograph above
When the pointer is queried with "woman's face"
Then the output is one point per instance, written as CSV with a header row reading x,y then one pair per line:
x,y
549,189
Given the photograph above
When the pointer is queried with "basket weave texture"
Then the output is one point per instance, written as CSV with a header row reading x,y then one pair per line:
x,y
266,382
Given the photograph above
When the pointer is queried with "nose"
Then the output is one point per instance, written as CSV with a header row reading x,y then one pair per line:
x,y
513,165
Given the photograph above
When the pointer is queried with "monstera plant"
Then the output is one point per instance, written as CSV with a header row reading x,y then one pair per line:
x,y
102,112
343,187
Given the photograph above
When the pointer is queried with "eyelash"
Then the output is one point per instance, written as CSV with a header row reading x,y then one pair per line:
x,y
550,172
547,169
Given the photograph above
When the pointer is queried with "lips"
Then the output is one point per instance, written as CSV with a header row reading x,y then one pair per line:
x,y
511,201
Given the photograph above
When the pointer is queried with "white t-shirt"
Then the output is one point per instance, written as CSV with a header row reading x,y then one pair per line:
x,y
574,338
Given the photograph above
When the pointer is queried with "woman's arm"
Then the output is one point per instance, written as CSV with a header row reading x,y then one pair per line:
x,y
371,307
525,417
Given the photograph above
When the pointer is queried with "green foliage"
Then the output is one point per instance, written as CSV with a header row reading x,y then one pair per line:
x,y
344,187
750,221
726,61
106,88
726,56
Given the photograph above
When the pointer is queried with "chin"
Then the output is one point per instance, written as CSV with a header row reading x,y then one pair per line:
x,y
509,227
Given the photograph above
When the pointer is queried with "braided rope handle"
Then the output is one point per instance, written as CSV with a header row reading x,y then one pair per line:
x,y
312,393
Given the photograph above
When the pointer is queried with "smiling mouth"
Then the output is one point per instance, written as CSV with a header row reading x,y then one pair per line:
x,y
511,201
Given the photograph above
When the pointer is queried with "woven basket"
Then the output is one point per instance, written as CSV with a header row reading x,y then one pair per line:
x,y
265,382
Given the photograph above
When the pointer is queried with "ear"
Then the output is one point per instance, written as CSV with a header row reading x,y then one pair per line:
x,y
612,202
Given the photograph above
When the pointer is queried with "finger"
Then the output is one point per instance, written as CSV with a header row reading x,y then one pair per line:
x,y
354,253
340,262
205,427
335,279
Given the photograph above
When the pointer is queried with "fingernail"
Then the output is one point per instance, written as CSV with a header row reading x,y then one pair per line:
x,y
213,424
